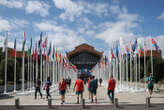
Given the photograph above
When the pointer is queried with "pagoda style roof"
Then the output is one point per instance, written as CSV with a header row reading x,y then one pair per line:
x,y
84,47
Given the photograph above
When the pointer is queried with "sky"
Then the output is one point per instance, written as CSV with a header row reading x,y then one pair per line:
x,y
68,23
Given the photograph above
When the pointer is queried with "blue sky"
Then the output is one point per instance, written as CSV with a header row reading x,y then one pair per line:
x,y
68,23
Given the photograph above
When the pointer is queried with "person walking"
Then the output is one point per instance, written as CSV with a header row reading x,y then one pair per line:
x,y
79,88
47,87
150,84
89,91
111,88
37,88
93,88
100,81
62,89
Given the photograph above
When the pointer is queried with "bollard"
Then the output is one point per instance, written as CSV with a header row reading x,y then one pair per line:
x,y
17,103
148,101
116,102
49,103
83,103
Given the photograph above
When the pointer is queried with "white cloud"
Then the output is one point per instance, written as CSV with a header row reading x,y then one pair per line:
x,y
161,17
65,42
71,9
37,7
112,31
74,9
81,30
90,33
18,23
4,25
115,9
12,3
61,36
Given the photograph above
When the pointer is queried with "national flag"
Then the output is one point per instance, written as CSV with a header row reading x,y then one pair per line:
x,y
5,42
49,51
60,58
56,55
127,49
29,49
53,53
36,52
112,54
24,42
40,41
117,50
44,45
134,46
140,49
14,49
155,44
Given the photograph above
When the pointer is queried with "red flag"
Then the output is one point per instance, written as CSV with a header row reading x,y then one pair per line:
x,y
36,53
56,55
60,58
44,43
44,54
127,49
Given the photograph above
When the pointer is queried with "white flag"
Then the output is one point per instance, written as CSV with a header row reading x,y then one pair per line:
x,y
5,42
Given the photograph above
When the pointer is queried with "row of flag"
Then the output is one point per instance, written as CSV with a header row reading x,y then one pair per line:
x,y
134,48
41,48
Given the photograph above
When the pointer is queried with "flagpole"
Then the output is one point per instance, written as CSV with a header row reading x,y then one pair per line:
x,y
23,73
53,72
127,69
144,62
15,73
33,67
151,60
28,75
41,77
136,71
30,72
131,77
139,71
6,55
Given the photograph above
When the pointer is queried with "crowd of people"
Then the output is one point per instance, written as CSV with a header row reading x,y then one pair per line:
x,y
92,85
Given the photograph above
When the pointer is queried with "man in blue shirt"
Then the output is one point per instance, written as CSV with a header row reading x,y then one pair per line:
x,y
150,84
93,88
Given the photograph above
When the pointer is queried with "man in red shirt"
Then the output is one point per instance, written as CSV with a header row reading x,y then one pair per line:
x,y
79,88
89,91
62,89
111,87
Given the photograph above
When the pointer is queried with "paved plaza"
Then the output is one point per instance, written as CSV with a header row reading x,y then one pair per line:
x,y
126,100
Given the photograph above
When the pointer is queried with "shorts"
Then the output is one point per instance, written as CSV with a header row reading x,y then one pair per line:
x,y
79,92
93,92
150,88
89,89
62,92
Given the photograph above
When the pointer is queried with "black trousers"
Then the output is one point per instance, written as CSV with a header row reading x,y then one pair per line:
x,y
36,91
48,93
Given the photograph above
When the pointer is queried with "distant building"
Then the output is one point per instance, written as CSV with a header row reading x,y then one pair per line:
x,y
155,53
84,56
19,54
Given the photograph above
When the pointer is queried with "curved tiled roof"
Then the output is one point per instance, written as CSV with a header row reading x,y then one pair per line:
x,y
84,47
